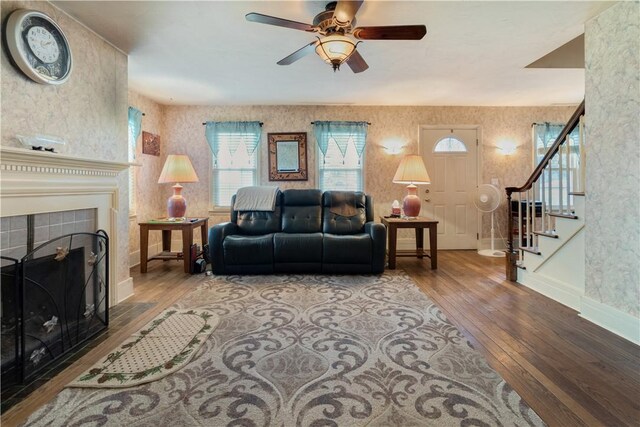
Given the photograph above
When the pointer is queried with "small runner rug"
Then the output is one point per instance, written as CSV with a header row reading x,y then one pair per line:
x,y
161,347
303,350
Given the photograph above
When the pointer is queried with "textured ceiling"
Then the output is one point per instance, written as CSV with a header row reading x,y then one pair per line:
x,y
474,53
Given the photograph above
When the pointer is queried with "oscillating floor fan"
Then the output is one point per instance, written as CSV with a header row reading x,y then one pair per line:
x,y
487,199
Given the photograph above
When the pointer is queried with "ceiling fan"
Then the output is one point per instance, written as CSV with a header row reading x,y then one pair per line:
x,y
334,25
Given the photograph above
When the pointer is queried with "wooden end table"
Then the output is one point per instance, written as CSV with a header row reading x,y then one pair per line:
x,y
186,227
419,224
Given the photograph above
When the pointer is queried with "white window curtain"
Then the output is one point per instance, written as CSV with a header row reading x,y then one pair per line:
x,y
235,161
341,147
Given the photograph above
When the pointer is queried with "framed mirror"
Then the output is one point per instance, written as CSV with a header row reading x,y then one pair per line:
x,y
288,156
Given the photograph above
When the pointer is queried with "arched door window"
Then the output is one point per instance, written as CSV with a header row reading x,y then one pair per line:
x,y
450,144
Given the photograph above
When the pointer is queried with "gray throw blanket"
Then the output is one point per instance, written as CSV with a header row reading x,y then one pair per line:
x,y
343,203
256,199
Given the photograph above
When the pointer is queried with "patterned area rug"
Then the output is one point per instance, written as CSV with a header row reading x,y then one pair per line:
x,y
161,347
312,351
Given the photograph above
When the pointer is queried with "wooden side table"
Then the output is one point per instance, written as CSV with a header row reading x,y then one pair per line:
x,y
419,224
186,227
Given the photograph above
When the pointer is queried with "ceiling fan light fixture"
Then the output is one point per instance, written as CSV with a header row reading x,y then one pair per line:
x,y
334,49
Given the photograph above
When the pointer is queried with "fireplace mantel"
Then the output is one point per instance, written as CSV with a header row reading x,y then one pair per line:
x,y
33,182
21,159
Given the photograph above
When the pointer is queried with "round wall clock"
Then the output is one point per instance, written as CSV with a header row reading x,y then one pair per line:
x,y
38,46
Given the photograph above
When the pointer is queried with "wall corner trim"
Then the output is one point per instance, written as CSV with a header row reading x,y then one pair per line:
x,y
124,290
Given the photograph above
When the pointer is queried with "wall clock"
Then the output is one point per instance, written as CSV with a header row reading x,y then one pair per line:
x,y
38,46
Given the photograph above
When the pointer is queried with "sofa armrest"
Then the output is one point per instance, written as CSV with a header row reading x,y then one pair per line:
x,y
217,234
378,233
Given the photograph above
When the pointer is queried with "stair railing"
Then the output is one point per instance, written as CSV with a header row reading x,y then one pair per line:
x,y
548,192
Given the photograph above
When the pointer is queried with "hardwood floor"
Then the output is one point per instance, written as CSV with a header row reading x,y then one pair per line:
x,y
570,371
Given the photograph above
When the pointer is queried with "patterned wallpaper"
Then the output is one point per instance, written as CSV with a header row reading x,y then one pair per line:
x,y
613,157
89,111
150,204
184,134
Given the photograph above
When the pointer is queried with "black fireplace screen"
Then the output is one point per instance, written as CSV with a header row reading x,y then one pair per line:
x,y
53,300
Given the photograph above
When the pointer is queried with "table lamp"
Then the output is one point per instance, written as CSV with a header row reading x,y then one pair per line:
x,y
177,168
411,171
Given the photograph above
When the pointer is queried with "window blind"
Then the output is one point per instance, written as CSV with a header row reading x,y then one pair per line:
x,y
233,145
341,172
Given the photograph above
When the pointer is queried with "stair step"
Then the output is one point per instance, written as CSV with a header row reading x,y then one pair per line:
x,y
576,193
563,215
549,233
531,249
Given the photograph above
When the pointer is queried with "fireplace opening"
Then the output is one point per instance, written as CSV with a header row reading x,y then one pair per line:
x,y
54,299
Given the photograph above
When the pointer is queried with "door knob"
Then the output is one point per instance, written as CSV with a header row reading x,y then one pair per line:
x,y
427,200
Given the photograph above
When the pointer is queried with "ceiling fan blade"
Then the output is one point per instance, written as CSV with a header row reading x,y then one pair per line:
x,y
396,32
280,22
356,62
298,54
345,11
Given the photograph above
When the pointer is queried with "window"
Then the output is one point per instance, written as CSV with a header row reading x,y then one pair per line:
x,y
450,144
235,158
134,126
544,135
341,155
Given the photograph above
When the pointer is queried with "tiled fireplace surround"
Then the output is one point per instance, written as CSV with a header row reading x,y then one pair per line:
x,y
65,194
14,230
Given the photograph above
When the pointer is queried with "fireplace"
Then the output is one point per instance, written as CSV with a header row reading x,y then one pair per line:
x,y
54,299
35,183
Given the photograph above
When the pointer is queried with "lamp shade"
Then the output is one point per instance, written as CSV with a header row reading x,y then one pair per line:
x,y
177,168
335,48
412,171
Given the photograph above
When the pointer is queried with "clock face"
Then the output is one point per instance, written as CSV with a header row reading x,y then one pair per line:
x,y
38,46
43,45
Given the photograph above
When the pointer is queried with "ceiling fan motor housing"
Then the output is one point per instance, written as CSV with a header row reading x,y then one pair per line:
x,y
326,23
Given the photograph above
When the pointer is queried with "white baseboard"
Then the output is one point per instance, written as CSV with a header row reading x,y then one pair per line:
x,y
124,290
134,257
485,243
558,291
407,243
612,319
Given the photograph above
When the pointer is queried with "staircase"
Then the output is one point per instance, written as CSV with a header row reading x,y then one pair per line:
x,y
546,249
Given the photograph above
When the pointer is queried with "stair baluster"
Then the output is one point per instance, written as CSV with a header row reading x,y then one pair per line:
x,y
560,186
520,234
543,207
567,150
550,192
582,154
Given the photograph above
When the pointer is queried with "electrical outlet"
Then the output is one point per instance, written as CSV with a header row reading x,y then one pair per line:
x,y
495,181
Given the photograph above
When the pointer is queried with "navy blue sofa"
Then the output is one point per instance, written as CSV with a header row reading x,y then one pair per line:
x,y
302,235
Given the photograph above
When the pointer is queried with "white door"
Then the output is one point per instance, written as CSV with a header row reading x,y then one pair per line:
x,y
450,156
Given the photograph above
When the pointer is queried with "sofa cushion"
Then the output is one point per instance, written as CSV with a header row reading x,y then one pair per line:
x,y
337,224
294,197
302,211
247,250
296,247
258,222
346,249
